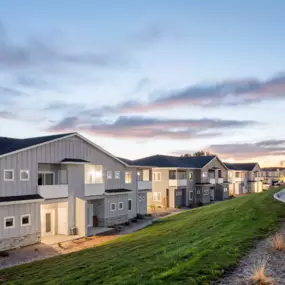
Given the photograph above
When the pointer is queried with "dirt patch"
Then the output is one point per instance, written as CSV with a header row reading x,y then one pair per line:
x,y
265,253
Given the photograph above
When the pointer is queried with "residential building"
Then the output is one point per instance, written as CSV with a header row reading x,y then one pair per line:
x,y
62,185
244,178
271,174
185,181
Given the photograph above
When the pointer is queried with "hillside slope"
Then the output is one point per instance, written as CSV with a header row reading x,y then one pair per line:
x,y
194,247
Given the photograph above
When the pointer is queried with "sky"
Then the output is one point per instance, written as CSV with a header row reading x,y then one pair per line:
x,y
147,77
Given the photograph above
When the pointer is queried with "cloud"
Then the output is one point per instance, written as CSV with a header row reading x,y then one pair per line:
x,y
8,95
145,128
7,115
245,151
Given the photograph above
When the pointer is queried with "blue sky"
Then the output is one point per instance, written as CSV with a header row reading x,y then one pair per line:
x,y
147,77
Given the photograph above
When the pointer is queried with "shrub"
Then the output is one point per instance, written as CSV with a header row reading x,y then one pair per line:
x,y
4,254
278,242
259,277
178,207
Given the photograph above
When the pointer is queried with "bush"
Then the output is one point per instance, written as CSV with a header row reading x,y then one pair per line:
x,y
4,254
278,242
178,207
259,276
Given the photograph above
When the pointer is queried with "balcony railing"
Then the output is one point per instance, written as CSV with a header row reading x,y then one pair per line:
x,y
144,185
212,180
53,191
177,182
220,180
94,189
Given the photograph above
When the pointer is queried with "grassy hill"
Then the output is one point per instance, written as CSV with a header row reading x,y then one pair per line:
x,y
194,247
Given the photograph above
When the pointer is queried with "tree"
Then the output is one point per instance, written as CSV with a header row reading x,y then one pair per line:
x,y
197,153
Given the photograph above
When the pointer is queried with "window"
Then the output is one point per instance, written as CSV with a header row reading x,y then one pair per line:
x,y
120,205
206,192
172,174
225,190
109,174
117,174
130,204
190,195
156,176
128,177
9,222
24,175
45,178
237,174
205,174
8,174
113,207
156,196
190,176
220,173
25,220
93,174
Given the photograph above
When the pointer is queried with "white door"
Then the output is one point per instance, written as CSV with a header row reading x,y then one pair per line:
x,y
62,221
90,215
47,222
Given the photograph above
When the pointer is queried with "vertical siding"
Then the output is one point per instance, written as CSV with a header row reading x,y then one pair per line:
x,y
116,199
17,210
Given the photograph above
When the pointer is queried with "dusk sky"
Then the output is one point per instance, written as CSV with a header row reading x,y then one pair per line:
x,y
147,77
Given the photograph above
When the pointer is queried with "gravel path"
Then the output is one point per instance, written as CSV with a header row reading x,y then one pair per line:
x,y
275,264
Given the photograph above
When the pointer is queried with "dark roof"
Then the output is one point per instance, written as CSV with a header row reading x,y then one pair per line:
x,y
76,160
241,166
127,161
202,184
8,145
110,191
273,168
20,198
171,161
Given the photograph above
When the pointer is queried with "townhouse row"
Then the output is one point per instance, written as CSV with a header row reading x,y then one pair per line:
x,y
65,185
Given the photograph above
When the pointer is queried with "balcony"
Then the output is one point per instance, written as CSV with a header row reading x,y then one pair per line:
x,y
212,180
53,191
144,185
94,189
220,180
177,182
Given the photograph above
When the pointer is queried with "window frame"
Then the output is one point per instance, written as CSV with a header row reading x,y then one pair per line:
x,y
5,220
191,191
156,194
112,210
155,176
13,174
109,174
206,192
25,215
130,173
204,174
22,171
117,174
120,208
130,200
44,180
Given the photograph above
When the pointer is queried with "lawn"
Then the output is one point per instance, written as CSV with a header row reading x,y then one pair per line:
x,y
194,247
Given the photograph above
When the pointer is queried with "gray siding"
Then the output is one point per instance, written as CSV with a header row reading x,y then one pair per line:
x,y
116,199
17,210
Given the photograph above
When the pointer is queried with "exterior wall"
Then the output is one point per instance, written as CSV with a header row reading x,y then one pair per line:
x,y
200,198
221,192
20,235
80,217
133,212
98,210
54,152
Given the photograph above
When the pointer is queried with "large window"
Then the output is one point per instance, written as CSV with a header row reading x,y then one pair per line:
x,y
46,178
156,196
93,174
9,222
128,177
8,174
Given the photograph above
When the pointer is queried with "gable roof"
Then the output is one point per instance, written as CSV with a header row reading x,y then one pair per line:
x,y
171,161
8,145
241,166
11,145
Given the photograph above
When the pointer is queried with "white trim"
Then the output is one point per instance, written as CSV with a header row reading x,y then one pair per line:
x,y
191,175
191,191
118,193
157,194
109,174
12,170
21,202
21,220
66,162
120,203
117,176
155,176
131,205
22,171
6,218
112,210
130,172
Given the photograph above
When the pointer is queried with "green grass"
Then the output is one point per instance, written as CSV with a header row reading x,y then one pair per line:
x,y
195,247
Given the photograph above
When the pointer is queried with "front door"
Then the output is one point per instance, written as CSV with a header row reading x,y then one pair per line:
x,y
47,222
62,221
90,215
